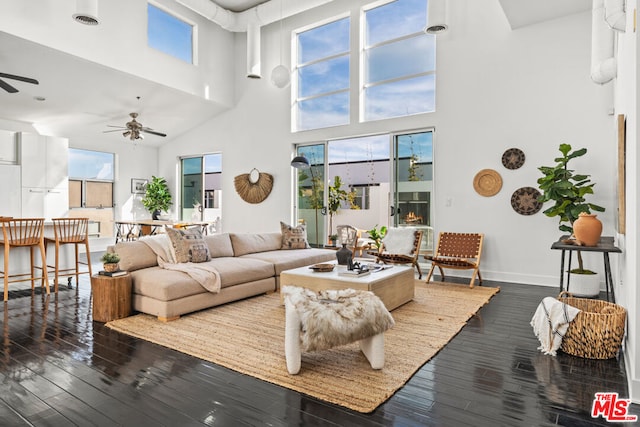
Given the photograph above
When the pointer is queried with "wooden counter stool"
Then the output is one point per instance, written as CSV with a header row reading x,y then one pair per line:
x,y
68,231
23,232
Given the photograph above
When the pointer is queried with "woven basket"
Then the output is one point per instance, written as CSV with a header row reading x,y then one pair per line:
x,y
597,331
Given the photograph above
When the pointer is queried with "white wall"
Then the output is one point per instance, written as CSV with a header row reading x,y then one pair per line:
x,y
627,94
496,89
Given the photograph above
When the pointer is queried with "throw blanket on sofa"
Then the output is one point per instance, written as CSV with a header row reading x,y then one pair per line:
x,y
550,322
203,273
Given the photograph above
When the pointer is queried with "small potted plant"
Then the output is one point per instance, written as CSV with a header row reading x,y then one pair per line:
x,y
376,234
157,197
110,261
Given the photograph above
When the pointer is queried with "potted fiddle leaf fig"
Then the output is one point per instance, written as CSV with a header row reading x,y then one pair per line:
x,y
568,191
157,197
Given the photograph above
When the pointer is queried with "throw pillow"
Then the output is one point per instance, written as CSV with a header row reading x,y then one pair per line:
x,y
294,237
188,245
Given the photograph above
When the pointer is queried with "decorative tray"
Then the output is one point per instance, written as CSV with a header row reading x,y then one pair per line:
x,y
322,267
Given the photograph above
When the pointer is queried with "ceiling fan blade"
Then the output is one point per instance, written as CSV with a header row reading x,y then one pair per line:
x,y
113,130
114,126
152,132
6,86
20,78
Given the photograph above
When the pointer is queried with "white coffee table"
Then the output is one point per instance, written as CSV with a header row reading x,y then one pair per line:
x,y
394,286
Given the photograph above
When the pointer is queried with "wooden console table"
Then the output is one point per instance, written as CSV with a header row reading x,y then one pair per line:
x,y
111,297
604,246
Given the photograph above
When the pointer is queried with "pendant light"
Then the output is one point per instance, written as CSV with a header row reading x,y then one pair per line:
x,y
436,17
281,76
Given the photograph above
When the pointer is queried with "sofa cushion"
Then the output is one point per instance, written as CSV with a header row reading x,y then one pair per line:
x,y
168,285
294,237
219,245
248,243
134,255
286,260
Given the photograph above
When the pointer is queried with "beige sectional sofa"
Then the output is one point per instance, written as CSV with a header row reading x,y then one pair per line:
x,y
248,264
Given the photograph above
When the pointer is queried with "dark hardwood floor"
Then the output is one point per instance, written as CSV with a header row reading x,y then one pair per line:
x,y
60,368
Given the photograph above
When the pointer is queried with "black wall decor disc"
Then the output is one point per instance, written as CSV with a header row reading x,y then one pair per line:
x,y
525,201
513,158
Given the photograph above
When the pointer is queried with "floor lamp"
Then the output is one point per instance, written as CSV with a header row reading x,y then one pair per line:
x,y
301,162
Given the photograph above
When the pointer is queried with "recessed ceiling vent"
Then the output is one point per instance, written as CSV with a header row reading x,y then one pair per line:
x,y
86,12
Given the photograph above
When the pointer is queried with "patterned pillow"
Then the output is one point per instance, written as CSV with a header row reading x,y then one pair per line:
x,y
294,237
188,245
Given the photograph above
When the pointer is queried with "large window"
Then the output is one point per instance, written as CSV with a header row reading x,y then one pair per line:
x,y
169,34
397,60
91,177
322,70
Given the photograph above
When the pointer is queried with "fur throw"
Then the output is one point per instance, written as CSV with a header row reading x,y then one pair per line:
x,y
332,318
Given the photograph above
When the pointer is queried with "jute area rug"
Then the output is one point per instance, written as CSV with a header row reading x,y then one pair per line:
x,y
248,337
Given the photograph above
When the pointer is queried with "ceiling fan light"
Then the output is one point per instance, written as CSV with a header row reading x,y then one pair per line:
x,y
86,12
127,133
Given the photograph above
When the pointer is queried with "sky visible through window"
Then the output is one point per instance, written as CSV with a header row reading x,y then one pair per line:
x,y
86,164
169,34
398,61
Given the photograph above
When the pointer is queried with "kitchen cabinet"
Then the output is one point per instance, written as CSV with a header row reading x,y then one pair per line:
x,y
44,171
8,147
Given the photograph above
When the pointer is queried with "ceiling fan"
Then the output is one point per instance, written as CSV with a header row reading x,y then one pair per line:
x,y
6,86
134,129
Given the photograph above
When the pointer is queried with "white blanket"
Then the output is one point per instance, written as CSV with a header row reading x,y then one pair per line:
x,y
550,322
203,273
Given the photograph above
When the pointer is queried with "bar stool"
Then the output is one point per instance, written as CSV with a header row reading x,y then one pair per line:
x,y
23,232
69,231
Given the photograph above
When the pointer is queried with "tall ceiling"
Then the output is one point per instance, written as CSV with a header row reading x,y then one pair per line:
x,y
75,109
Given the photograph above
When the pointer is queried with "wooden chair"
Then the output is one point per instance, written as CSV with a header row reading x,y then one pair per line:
x,y
68,231
389,253
26,233
460,251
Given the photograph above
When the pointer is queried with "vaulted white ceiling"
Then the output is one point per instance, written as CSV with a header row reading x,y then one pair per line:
x,y
73,109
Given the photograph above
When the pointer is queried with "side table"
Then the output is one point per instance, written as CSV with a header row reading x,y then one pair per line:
x,y
605,246
111,297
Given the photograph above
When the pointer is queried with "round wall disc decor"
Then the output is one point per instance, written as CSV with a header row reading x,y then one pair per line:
x,y
525,201
513,158
253,187
487,182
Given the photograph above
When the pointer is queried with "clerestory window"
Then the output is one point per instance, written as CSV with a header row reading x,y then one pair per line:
x,y
398,61
169,34
321,88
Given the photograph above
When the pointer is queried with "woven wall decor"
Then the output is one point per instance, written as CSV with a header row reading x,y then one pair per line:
x,y
513,158
525,201
253,187
487,182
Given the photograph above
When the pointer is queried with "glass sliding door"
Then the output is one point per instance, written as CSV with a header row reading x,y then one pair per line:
x,y
201,189
310,196
413,184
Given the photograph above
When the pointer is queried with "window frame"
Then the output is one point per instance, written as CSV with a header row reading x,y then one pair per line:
x,y
296,99
362,53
